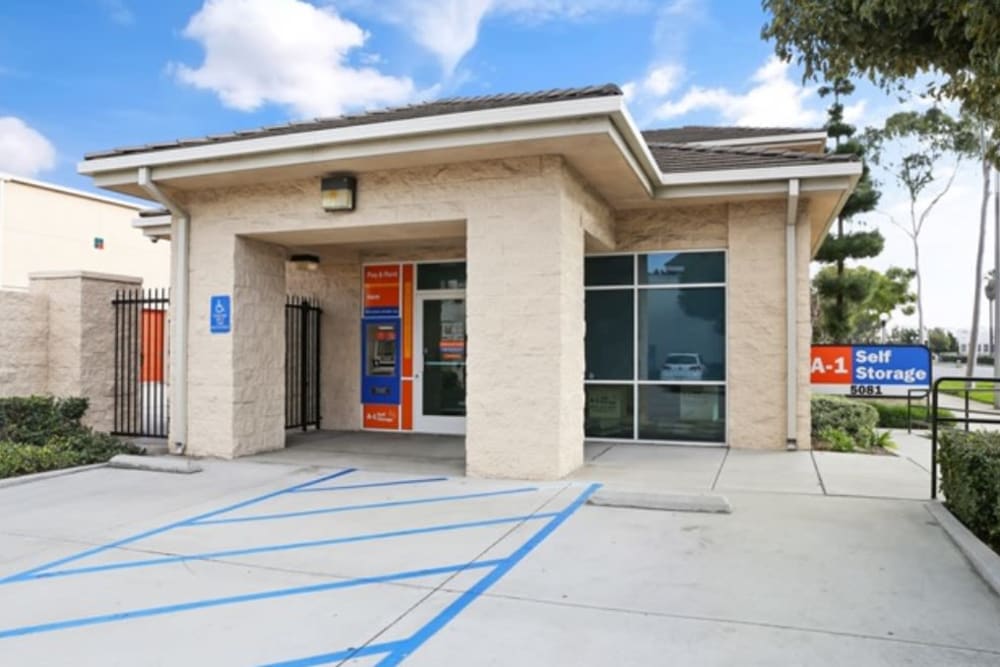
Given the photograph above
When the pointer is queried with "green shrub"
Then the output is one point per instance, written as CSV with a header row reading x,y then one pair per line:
x,y
893,415
39,433
855,419
34,420
837,439
970,480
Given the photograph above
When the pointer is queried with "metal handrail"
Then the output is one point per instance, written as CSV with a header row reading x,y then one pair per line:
x,y
969,385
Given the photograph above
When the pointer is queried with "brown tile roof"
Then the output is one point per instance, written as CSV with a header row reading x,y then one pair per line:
x,y
422,110
693,133
670,147
675,158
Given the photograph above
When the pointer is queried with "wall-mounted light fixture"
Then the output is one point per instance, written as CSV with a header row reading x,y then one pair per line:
x,y
338,192
304,262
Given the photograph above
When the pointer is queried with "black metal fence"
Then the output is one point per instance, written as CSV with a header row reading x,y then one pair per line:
x,y
302,367
140,390
973,412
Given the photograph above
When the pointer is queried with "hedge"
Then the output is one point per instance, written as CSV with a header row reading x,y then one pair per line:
x,y
39,433
893,415
844,425
970,480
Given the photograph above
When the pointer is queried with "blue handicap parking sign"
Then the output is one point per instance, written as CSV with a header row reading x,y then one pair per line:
x,y
219,315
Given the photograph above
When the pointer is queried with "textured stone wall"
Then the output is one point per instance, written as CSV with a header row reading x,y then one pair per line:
x,y
756,325
258,339
81,337
525,326
674,228
24,351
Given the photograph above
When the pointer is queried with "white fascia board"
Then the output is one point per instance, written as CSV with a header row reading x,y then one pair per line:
x,y
799,138
445,123
636,144
755,189
21,180
154,227
801,171
368,149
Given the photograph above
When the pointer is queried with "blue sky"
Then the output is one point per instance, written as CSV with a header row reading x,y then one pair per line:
x,y
84,75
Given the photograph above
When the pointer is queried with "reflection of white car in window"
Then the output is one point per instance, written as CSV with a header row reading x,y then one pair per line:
x,y
682,367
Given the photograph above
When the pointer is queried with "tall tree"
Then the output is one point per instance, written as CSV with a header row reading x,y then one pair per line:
x,y
889,42
859,244
910,146
887,293
990,292
986,169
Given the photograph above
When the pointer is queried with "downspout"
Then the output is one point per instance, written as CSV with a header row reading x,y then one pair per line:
x,y
791,317
179,301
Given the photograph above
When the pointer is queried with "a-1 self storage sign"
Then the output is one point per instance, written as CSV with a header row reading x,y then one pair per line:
x,y
870,370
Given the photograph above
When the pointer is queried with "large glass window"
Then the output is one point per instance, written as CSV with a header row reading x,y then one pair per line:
x,y
656,347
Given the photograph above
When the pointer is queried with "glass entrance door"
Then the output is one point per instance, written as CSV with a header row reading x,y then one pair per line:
x,y
439,391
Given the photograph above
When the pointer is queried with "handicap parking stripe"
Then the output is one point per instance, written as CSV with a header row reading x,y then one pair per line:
x,y
370,485
289,546
20,576
366,506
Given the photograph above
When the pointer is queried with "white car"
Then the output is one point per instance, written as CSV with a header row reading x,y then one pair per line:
x,y
685,366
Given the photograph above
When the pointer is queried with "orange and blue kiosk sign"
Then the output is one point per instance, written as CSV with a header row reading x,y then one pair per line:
x,y
383,350
870,371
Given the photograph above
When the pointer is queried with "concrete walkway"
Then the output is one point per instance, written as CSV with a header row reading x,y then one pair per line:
x,y
648,468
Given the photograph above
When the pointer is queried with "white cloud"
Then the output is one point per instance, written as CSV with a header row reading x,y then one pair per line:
x,y
774,99
658,82
23,150
285,52
449,29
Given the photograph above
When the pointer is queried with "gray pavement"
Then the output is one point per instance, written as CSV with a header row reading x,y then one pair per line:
x,y
282,559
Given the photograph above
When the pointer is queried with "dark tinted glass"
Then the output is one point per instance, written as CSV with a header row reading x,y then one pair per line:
x,y
673,412
677,268
616,270
450,275
609,411
609,339
682,334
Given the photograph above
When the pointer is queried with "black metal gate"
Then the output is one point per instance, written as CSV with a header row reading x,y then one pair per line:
x,y
140,391
302,371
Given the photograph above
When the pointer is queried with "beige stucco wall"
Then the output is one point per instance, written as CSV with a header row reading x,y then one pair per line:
x,y
81,337
757,326
50,230
673,228
23,343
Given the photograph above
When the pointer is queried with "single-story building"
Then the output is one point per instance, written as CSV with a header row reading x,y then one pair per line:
x,y
529,270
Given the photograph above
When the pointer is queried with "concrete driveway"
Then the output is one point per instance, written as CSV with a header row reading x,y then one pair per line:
x,y
251,563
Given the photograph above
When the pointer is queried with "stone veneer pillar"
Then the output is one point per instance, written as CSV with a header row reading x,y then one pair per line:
x,y
525,338
236,381
81,340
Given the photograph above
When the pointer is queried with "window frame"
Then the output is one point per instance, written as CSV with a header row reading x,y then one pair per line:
x,y
636,287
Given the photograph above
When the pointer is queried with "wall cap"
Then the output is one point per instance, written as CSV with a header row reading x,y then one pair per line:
x,y
84,275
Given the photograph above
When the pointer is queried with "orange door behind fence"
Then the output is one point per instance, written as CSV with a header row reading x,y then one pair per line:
x,y
152,345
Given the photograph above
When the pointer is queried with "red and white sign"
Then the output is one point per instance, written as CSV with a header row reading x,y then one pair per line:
x,y
381,416
381,290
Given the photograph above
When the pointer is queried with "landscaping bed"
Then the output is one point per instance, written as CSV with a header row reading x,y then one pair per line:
x,y
41,433
842,425
970,481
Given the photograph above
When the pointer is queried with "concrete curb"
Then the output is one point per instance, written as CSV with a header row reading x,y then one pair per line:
x,y
666,502
48,474
983,559
174,464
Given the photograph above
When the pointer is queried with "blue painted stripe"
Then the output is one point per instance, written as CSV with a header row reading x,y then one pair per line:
x,y
327,658
422,480
170,526
289,546
369,506
464,600
239,599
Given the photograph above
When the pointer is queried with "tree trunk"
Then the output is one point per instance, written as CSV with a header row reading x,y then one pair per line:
x,y
970,365
920,291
